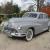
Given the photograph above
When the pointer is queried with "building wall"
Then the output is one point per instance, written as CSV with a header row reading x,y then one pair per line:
x,y
45,9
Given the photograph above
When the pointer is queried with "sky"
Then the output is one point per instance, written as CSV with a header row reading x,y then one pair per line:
x,y
19,2
48,0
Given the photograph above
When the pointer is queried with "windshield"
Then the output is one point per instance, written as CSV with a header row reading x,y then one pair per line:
x,y
34,15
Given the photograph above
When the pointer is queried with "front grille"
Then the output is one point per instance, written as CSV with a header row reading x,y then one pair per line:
x,y
10,29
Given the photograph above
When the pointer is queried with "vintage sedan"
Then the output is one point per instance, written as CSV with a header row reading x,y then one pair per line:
x,y
27,26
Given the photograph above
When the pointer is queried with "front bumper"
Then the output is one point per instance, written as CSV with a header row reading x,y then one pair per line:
x,y
15,34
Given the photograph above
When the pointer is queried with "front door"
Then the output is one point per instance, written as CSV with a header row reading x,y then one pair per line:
x,y
41,22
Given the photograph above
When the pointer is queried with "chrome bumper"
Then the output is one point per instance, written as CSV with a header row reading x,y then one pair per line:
x,y
15,34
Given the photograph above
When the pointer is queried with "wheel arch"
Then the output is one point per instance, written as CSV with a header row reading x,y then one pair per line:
x,y
32,29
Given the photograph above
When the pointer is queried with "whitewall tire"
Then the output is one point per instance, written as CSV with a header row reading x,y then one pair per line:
x,y
29,35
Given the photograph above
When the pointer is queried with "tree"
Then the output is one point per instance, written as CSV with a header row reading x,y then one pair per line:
x,y
16,9
22,13
11,9
39,4
48,3
0,9
8,9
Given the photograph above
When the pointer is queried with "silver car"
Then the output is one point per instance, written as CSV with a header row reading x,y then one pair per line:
x,y
27,26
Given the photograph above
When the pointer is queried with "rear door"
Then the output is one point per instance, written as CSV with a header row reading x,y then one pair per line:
x,y
45,17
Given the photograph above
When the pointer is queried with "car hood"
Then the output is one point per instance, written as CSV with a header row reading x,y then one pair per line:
x,y
17,22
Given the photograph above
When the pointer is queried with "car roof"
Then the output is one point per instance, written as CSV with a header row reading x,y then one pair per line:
x,y
36,12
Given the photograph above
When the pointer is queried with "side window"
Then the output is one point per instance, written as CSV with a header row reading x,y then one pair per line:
x,y
40,16
45,16
34,15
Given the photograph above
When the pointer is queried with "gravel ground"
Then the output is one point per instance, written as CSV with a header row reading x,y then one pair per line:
x,y
40,42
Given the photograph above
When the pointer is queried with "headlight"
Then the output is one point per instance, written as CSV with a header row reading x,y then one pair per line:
x,y
19,28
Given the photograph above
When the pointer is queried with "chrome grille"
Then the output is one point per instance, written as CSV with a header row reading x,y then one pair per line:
x,y
10,29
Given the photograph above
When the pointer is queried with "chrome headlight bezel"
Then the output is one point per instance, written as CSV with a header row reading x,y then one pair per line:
x,y
19,27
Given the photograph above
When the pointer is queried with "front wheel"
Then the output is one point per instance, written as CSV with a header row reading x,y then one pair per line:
x,y
29,35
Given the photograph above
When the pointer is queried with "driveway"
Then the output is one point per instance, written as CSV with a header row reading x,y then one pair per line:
x,y
40,42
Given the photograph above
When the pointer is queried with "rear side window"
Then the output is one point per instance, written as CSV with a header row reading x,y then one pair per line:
x,y
41,16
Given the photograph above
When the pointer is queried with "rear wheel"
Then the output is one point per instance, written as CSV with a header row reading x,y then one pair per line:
x,y
29,35
48,29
